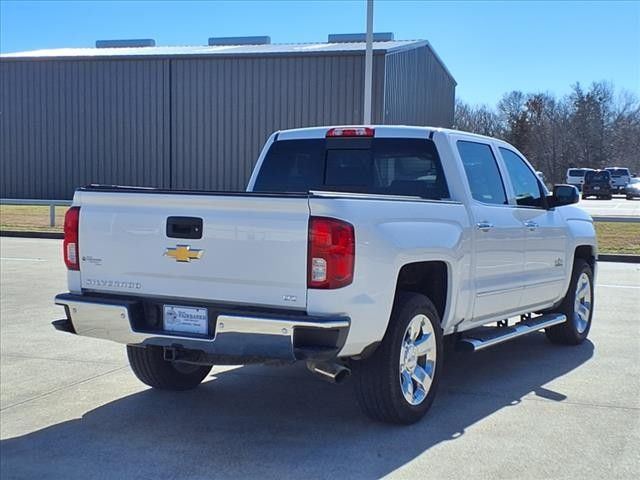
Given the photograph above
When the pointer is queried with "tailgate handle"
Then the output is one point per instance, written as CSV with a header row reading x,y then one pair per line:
x,y
184,227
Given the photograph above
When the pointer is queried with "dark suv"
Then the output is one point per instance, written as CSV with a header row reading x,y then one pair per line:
x,y
597,184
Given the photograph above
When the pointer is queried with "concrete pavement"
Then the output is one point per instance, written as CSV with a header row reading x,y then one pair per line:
x,y
70,407
618,206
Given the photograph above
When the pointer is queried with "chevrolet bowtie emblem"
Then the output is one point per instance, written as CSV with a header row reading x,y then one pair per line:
x,y
183,253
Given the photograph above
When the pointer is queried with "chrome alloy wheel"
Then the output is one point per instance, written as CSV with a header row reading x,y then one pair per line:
x,y
582,304
417,359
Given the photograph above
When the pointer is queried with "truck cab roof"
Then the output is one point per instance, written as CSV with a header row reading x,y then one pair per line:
x,y
381,131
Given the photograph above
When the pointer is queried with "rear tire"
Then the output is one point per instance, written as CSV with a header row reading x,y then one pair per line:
x,y
150,367
577,306
398,382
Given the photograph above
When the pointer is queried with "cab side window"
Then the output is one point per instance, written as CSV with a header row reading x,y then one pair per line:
x,y
482,172
524,180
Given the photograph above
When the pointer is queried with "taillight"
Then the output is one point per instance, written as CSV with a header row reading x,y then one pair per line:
x,y
71,247
331,253
350,132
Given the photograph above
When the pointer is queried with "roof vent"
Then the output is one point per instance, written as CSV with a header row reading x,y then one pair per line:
x,y
135,42
259,40
359,37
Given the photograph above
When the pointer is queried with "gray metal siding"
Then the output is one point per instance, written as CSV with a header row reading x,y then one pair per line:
x,y
70,123
192,123
224,109
418,90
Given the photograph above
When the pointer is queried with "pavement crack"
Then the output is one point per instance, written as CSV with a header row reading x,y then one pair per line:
x,y
31,357
64,387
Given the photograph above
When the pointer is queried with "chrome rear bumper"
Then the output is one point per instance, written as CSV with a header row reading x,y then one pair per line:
x,y
251,335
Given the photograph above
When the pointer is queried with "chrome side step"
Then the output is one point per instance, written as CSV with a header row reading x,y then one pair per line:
x,y
484,337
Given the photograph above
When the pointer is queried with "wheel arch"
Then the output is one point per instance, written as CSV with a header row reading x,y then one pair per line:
x,y
587,253
429,278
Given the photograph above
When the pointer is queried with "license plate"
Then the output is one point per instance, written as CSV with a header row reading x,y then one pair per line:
x,y
186,319
596,188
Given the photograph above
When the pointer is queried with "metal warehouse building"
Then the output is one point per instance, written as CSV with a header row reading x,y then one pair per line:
x,y
194,117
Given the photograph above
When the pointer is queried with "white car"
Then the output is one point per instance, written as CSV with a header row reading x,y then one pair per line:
x,y
632,190
355,249
575,176
620,177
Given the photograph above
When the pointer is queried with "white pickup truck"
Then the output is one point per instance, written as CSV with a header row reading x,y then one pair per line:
x,y
354,249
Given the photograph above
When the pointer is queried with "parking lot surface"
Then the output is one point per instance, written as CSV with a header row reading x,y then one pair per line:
x,y
70,407
618,206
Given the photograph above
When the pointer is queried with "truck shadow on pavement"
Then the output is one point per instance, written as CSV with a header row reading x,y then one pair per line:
x,y
273,422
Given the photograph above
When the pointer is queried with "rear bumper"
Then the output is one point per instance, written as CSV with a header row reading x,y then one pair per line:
x,y
235,335
602,191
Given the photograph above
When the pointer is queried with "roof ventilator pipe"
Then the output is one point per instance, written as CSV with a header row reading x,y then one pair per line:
x,y
359,37
135,42
257,40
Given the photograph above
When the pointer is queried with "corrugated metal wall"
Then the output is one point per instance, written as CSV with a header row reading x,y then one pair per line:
x,y
224,109
192,123
418,90
69,123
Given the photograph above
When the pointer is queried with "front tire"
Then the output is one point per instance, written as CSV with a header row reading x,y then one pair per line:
x,y
577,306
150,367
398,383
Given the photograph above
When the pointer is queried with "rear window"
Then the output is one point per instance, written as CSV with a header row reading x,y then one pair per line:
x,y
388,166
618,172
597,176
576,173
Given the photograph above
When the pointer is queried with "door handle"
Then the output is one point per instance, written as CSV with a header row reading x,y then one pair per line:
x,y
531,225
484,226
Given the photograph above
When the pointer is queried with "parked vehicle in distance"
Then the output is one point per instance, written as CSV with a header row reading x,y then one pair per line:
x,y
354,249
632,189
542,177
619,178
597,183
575,176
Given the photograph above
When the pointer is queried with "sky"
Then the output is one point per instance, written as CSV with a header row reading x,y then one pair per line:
x,y
490,47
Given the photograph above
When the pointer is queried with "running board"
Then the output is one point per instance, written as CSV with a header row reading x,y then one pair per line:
x,y
483,337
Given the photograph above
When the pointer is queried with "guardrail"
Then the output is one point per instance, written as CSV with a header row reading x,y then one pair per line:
x,y
620,219
52,204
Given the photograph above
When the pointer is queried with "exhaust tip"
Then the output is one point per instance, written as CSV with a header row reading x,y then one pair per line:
x,y
329,372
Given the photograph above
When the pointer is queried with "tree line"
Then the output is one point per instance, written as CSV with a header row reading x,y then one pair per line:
x,y
594,127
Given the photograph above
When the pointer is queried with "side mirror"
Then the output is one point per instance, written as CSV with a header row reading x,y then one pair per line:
x,y
563,195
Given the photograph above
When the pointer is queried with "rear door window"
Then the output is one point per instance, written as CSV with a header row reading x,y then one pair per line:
x,y
524,180
387,166
482,172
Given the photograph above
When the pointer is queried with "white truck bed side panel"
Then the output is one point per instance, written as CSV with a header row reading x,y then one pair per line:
x,y
389,235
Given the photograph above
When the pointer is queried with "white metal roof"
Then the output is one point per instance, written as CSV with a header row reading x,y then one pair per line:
x,y
283,48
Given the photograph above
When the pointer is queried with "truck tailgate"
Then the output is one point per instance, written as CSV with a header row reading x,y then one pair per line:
x,y
253,249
